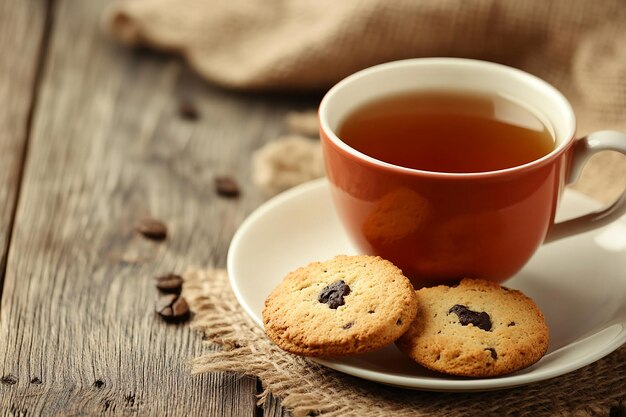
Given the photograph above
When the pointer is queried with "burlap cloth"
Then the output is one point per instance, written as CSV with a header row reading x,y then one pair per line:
x,y
305,387
577,45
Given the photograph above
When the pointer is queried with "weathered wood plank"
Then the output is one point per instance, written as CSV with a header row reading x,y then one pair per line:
x,y
272,408
22,25
78,331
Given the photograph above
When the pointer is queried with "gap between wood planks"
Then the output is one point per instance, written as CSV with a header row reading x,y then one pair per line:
x,y
42,56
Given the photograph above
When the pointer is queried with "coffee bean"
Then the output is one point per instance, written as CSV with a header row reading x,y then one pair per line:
x,y
333,294
165,302
172,308
8,380
152,228
467,316
188,110
180,307
170,283
226,186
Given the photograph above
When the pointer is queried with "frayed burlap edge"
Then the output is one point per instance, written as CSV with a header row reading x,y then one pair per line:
x,y
306,388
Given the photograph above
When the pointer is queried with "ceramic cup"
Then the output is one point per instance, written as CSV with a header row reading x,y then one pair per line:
x,y
437,226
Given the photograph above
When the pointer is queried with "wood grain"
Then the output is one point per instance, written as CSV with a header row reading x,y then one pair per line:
x,y
78,332
22,25
107,146
272,408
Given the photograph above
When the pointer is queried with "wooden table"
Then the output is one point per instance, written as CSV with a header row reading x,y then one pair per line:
x,y
90,141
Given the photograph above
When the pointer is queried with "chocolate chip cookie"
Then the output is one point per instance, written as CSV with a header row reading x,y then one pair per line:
x,y
477,328
346,305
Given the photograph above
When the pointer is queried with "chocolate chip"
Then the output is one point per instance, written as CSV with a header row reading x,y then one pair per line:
x,y
170,283
347,326
152,228
467,316
36,381
398,322
333,294
188,110
226,186
371,312
511,324
98,383
172,308
494,354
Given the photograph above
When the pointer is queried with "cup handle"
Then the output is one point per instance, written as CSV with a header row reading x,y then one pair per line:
x,y
603,140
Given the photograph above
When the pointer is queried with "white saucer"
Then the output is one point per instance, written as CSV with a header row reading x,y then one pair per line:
x,y
579,283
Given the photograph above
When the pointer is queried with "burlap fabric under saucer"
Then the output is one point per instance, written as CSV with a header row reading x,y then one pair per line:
x,y
306,388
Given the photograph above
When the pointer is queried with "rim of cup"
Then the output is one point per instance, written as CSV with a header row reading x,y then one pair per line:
x,y
469,75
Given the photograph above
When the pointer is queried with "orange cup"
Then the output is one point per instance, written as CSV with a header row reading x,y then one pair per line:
x,y
439,227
